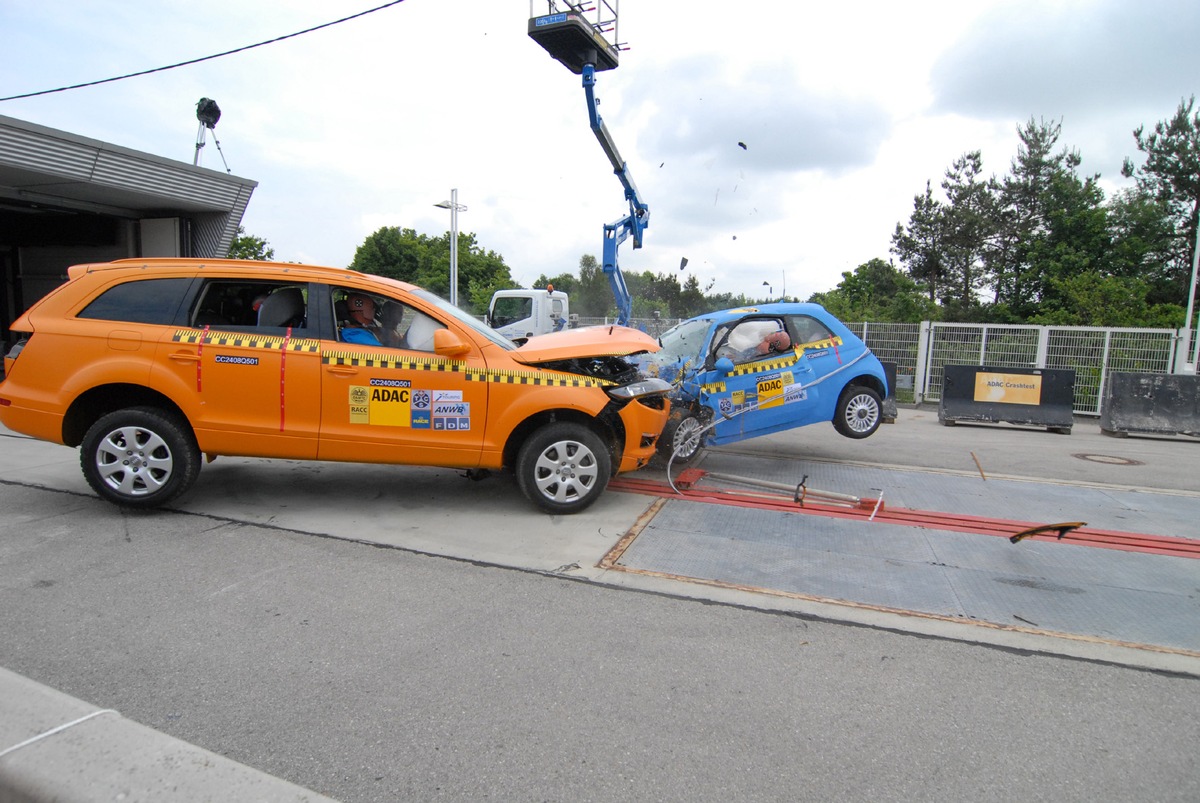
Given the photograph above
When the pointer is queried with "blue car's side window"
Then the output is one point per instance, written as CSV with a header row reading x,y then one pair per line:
x,y
808,330
755,339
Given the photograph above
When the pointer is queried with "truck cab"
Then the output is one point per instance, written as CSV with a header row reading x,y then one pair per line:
x,y
522,314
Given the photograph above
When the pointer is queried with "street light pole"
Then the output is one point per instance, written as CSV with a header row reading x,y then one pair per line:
x,y
455,207
1189,366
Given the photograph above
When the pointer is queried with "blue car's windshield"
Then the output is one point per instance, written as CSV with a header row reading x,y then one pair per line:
x,y
681,346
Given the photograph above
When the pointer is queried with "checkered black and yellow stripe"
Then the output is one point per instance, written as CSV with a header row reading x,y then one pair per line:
x,y
761,366
543,378
538,378
398,362
242,340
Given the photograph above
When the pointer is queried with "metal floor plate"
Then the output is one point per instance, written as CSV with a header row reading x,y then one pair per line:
x,y
1087,592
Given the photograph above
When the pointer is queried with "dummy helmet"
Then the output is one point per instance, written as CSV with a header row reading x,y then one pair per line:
x,y
361,307
776,342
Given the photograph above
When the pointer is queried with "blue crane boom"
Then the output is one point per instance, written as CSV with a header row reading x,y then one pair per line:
x,y
632,224
580,46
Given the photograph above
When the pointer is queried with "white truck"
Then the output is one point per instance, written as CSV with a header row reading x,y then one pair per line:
x,y
521,314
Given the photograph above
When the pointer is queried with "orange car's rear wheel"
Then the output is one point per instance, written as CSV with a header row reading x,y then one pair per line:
x,y
139,457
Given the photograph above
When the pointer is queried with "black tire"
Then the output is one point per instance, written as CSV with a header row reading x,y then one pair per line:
x,y
859,412
563,467
680,437
139,457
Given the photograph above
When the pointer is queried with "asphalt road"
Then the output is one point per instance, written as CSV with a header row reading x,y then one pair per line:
x,y
369,671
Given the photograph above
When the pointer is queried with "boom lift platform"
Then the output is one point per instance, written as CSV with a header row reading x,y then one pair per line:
x,y
581,45
569,36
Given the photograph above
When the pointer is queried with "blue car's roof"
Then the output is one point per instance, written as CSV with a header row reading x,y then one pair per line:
x,y
781,308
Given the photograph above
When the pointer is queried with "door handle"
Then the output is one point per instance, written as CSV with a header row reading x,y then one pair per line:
x,y
185,356
342,370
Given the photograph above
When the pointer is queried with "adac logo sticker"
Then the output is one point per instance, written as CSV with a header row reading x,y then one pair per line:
x,y
771,389
388,406
395,403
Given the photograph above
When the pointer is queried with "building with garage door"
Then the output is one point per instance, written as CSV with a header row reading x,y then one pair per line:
x,y
67,199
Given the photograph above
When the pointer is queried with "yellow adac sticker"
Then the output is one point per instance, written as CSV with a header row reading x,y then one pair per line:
x,y
384,404
1008,388
770,389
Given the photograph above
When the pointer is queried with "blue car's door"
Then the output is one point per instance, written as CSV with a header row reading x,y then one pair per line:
x,y
760,395
819,358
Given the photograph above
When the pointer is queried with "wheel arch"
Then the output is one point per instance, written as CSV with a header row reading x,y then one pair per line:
x,y
869,381
607,426
91,405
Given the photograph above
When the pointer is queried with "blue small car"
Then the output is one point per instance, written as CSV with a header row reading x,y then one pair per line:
x,y
742,373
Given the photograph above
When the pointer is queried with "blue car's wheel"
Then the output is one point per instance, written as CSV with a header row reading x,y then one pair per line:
x,y
682,438
858,413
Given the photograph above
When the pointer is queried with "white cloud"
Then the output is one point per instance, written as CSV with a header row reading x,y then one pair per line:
x,y
846,110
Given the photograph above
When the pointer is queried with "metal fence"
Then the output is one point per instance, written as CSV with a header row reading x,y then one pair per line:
x,y
921,351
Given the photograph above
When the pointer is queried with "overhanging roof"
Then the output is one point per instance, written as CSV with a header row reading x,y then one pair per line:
x,y
43,168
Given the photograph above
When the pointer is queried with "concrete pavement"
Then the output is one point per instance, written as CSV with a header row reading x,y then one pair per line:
x,y
433,511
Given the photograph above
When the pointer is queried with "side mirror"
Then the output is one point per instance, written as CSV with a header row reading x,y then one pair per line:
x,y
448,344
725,365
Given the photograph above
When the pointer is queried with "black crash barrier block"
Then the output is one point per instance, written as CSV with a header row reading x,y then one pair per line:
x,y
1162,404
889,401
1042,397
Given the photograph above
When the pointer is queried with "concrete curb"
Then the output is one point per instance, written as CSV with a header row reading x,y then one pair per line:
x,y
55,747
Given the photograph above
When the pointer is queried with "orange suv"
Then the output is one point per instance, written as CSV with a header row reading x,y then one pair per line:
x,y
147,364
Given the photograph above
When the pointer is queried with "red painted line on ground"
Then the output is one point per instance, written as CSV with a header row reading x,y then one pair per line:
x,y
929,519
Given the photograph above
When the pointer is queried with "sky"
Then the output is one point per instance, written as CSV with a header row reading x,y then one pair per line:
x,y
845,111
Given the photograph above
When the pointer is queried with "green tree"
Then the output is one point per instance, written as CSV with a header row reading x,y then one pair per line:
x,y
247,246
563,282
1091,299
877,291
393,252
692,298
727,301
1143,236
920,246
425,261
1171,176
1022,220
594,298
969,224
1045,240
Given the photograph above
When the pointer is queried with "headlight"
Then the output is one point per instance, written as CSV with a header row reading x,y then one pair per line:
x,y
643,387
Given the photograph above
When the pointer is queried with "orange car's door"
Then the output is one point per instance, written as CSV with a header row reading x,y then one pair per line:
x,y
401,403
252,383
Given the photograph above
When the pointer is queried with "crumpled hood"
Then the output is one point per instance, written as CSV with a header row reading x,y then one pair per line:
x,y
590,341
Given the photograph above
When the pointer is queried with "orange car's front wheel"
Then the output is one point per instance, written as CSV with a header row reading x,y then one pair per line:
x,y
563,467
